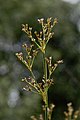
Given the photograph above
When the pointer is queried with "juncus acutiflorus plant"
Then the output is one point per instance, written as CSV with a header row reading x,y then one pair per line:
x,y
40,40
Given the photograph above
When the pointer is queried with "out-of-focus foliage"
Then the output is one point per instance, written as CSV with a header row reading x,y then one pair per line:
x,y
15,104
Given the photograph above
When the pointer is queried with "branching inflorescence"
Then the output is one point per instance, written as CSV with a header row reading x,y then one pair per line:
x,y
40,41
70,114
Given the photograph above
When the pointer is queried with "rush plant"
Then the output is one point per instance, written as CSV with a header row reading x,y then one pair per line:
x,y
40,41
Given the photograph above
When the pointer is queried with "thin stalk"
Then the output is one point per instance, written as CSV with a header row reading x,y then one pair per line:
x,y
45,67
32,74
46,92
35,81
46,114
46,107
70,117
49,75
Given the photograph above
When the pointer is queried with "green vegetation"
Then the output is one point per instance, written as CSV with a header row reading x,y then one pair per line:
x,y
41,40
16,104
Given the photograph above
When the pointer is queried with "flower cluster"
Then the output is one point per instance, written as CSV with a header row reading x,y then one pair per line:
x,y
43,86
40,117
34,86
70,115
49,110
44,36
29,59
51,67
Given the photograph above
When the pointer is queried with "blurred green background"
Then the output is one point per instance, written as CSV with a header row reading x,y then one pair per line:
x,y
16,104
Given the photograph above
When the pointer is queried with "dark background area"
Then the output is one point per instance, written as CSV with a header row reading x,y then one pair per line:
x,y
16,104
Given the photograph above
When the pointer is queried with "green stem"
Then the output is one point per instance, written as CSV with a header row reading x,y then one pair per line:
x,y
45,67
46,113
36,82
32,74
46,107
46,92
49,76
70,117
